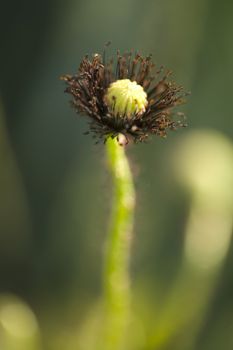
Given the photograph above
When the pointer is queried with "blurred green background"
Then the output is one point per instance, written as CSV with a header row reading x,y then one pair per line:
x,y
55,190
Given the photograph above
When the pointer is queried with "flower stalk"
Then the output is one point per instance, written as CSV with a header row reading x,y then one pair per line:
x,y
116,272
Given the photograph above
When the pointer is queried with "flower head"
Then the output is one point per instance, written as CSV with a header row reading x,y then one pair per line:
x,y
125,101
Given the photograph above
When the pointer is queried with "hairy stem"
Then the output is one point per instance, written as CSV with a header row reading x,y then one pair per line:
x,y
116,273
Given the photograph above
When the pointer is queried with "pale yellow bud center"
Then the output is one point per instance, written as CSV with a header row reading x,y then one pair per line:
x,y
126,97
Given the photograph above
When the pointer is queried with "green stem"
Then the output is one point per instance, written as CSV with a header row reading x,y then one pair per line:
x,y
116,274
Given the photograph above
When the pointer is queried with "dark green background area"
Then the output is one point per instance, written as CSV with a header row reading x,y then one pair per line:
x,y
55,190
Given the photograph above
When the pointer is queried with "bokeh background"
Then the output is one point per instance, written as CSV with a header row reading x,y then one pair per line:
x,y
55,190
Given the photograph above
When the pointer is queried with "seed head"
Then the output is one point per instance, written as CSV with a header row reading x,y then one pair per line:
x,y
126,98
